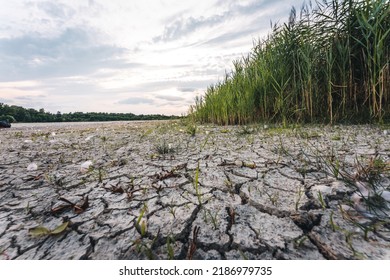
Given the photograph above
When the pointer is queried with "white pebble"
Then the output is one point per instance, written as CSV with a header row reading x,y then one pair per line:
x,y
386,195
85,166
32,166
89,138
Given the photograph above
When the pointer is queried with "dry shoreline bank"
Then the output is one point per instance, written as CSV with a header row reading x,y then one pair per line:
x,y
257,193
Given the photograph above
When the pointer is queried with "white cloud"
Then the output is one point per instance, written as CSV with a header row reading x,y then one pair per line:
x,y
124,56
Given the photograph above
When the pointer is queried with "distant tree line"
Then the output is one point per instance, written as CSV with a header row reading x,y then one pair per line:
x,y
19,114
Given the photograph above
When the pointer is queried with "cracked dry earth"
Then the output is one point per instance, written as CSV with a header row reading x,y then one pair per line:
x,y
153,191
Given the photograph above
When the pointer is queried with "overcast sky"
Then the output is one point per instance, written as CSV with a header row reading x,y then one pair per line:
x,y
144,56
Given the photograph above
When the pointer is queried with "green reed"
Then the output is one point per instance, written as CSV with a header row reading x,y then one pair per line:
x,y
328,64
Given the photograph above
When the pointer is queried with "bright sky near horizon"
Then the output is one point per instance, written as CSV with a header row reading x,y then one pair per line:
x,y
143,57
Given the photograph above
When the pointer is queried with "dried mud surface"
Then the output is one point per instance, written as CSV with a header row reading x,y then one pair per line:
x,y
150,190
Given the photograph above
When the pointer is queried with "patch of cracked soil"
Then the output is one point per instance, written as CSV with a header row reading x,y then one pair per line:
x,y
152,191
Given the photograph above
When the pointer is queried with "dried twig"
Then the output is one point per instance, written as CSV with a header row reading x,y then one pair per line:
x,y
192,249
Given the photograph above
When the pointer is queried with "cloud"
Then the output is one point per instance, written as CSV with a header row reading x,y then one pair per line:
x,y
230,36
72,53
253,7
185,26
186,89
5,100
170,98
56,10
161,85
30,97
136,100
119,55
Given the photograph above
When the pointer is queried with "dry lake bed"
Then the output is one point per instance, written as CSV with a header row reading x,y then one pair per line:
x,y
170,190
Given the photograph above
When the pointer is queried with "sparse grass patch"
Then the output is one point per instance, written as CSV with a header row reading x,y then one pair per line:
x,y
191,130
164,148
370,199
245,130
18,134
336,138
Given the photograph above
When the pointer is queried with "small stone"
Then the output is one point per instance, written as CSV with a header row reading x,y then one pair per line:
x,y
32,166
89,138
85,166
386,195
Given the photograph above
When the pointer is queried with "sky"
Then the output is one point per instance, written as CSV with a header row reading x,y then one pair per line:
x,y
125,56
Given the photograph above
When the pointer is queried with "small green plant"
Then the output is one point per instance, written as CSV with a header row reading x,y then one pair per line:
x,y
333,225
300,193
250,139
191,129
336,168
229,185
336,138
144,247
18,134
205,141
321,200
273,197
141,224
281,150
172,211
372,170
164,148
349,240
300,241
170,241
196,185
101,174
243,256
245,130
308,135
214,218
28,208
146,133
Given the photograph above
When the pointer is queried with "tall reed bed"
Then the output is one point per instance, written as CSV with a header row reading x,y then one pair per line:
x,y
328,63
